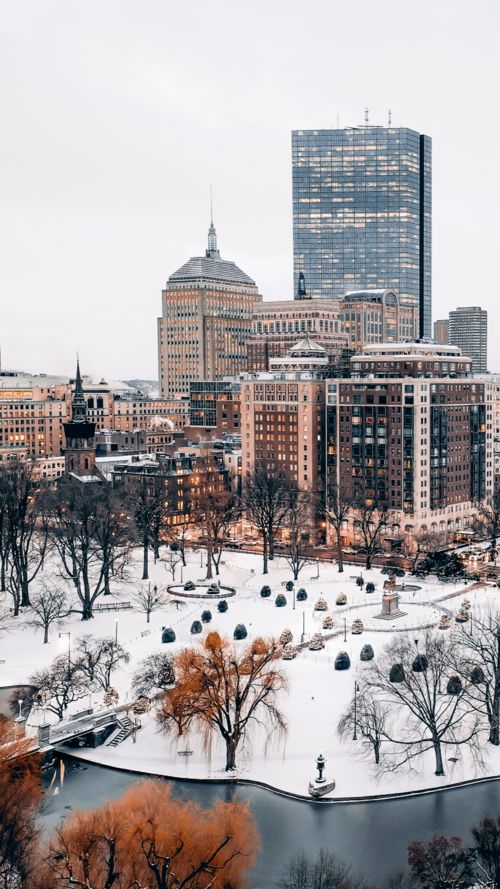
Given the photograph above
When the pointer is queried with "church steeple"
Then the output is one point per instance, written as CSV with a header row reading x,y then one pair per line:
x,y
211,251
79,405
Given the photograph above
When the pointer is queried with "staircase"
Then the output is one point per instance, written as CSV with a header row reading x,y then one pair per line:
x,y
126,727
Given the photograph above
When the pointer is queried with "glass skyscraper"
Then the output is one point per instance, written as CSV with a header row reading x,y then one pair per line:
x,y
362,213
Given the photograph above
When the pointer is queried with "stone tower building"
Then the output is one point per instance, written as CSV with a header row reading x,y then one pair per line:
x,y
79,452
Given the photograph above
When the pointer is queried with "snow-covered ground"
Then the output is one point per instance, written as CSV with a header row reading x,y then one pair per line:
x,y
317,692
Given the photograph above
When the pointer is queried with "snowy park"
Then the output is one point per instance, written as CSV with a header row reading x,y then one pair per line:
x,y
317,694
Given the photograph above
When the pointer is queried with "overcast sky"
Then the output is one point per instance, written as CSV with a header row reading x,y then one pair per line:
x,y
116,115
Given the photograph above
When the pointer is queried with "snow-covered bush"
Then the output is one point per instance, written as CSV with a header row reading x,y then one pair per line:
x,y
321,604
454,686
328,622
420,664
280,600
189,586
301,595
240,632
265,591
367,653
168,635
370,587
206,616
342,661
286,636
222,606
341,599
316,643
397,673
289,586
196,627
360,582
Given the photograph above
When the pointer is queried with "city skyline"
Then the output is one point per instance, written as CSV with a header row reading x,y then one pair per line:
x,y
105,175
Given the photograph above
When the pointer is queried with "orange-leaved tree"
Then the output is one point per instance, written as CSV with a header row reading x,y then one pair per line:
x,y
222,690
20,796
147,840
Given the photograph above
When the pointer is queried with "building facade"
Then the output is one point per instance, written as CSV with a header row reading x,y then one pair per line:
x,y
207,308
33,410
278,325
362,204
468,329
441,331
376,316
411,431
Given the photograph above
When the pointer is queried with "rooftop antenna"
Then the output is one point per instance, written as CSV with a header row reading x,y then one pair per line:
x,y
366,116
211,206
389,118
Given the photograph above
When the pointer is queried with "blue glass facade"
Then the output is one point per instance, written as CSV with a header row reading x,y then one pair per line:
x,y
362,205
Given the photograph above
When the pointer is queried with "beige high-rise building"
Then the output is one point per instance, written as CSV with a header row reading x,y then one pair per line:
x,y
206,321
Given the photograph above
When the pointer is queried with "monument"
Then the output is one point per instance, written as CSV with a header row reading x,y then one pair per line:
x,y
390,602
321,785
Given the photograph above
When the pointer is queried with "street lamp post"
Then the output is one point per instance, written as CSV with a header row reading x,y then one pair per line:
x,y
68,634
356,689
116,631
20,703
345,629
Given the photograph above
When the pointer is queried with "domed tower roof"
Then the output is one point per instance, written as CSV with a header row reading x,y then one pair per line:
x,y
211,266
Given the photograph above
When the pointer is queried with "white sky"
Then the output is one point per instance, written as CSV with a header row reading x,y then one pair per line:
x,y
116,115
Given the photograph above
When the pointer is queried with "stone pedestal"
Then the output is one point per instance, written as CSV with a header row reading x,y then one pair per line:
x,y
390,606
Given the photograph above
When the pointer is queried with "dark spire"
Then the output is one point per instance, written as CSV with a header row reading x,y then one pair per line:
x,y
301,287
79,405
212,252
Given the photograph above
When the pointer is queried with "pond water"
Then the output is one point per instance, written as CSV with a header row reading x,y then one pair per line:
x,y
372,837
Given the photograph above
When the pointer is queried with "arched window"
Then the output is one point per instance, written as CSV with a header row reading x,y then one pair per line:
x,y
86,463
100,402
72,463
90,402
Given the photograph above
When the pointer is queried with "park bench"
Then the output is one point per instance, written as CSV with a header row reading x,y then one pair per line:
x,y
113,606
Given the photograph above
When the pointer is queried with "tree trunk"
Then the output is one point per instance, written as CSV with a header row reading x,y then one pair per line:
x,y
107,590
265,568
148,615
209,575
494,737
439,757
87,609
368,563
376,750
231,748
3,578
270,536
45,635
340,554
25,594
145,555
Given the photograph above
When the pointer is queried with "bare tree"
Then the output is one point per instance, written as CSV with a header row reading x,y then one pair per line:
x,y
4,537
59,684
266,500
148,599
371,522
88,538
146,503
326,871
178,535
489,513
337,506
441,863
422,543
477,657
224,691
427,713
297,520
97,658
25,541
217,511
154,674
111,538
171,559
369,717
49,607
